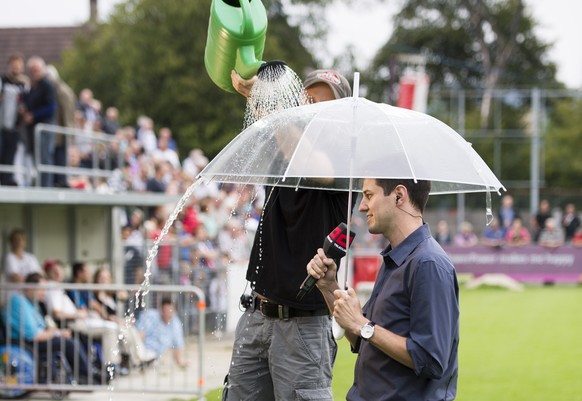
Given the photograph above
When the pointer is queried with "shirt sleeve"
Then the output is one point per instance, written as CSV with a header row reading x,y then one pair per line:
x,y
177,334
434,319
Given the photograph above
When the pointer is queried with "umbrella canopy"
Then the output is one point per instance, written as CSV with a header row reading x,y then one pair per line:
x,y
334,144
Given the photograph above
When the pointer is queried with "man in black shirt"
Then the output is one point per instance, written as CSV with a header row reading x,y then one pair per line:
x,y
284,349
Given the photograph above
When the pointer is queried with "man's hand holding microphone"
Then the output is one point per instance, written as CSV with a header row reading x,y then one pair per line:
x,y
344,304
322,272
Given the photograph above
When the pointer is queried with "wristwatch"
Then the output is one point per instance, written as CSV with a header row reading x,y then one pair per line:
x,y
367,330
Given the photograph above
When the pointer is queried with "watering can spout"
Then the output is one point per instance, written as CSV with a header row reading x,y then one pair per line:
x,y
246,63
236,40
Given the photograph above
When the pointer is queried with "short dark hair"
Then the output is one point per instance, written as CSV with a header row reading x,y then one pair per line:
x,y
15,56
34,278
417,191
77,268
166,301
17,232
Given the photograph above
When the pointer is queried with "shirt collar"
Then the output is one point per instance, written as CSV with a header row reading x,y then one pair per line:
x,y
399,254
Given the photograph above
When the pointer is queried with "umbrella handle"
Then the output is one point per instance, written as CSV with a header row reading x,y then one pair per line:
x,y
337,330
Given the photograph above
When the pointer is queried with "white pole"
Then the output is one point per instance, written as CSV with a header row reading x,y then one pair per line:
x,y
356,91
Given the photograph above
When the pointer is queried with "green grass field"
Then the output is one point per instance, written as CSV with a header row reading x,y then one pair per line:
x,y
515,346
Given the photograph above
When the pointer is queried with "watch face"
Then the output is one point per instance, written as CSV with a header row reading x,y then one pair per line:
x,y
366,332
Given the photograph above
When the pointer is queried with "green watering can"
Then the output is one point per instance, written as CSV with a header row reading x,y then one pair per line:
x,y
236,40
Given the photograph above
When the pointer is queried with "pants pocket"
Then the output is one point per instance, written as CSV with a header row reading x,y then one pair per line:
x,y
316,394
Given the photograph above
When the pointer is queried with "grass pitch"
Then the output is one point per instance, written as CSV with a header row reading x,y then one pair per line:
x,y
515,346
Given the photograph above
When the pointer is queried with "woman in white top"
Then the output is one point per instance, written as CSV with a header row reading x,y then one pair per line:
x,y
19,263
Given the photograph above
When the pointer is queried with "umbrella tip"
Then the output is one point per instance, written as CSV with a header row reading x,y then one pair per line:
x,y
356,85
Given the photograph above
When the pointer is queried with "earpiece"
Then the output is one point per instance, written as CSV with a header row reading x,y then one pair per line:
x,y
398,197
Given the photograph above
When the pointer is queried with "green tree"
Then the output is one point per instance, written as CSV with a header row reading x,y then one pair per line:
x,y
478,46
470,44
149,59
563,164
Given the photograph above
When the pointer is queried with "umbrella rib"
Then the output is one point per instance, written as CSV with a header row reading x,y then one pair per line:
x,y
403,147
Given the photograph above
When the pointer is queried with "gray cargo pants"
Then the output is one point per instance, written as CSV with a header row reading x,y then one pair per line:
x,y
282,360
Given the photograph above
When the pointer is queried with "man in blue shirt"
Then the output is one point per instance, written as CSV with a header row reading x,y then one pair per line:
x,y
407,334
83,299
162,330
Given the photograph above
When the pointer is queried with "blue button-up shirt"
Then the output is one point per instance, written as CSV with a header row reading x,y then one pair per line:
x,y
416,296
160,336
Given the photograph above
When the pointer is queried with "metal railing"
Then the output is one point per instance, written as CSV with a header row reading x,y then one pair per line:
x,y
29,365
99,144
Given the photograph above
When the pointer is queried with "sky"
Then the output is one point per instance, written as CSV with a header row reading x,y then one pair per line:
x,y
359,25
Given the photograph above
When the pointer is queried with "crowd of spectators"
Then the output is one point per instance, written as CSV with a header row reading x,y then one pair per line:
x,y
548,228
137,158
213,231
95,317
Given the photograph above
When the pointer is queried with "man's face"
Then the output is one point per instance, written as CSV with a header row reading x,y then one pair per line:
x,y
167,313
35,71
19,242
83,275
16,67
56,273
86,96
35,294
320,92
376,206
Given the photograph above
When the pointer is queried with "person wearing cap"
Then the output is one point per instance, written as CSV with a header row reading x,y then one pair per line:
x,y
284,348
316,84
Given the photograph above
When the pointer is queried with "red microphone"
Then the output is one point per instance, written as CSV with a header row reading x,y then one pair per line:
x,y
335,246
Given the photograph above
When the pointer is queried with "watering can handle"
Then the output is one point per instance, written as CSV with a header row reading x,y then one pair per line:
x,y
246,63
247,22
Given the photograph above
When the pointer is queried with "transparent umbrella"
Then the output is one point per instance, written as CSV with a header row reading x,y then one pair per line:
x,y
335,144
351,138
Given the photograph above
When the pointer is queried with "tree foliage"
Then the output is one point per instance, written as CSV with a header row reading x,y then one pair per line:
x,y
477,46
149,59
563,163
481,44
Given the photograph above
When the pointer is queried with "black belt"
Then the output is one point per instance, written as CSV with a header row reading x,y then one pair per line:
x,y
276,311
